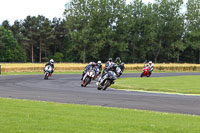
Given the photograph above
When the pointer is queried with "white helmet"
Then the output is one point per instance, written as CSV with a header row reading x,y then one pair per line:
x,y
150,62
51,61
99,62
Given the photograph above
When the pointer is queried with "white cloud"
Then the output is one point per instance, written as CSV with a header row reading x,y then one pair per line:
x,y
12,10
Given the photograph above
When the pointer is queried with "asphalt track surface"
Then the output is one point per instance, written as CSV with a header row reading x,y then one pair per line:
x,y
67,89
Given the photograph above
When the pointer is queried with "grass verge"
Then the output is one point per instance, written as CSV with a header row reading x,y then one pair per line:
x,y
178,84
24,116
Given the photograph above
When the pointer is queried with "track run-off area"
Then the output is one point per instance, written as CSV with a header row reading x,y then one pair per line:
x,y
66,88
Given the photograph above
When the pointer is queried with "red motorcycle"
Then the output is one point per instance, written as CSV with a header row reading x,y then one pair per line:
x,y
145,72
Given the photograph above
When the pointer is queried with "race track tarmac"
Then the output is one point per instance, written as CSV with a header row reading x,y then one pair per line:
x,y
67,89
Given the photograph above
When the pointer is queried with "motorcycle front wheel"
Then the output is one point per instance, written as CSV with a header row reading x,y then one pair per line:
x,y
106,84
87,81
46,76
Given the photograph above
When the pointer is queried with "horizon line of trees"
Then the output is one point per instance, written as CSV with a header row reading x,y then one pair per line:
x,y
98,29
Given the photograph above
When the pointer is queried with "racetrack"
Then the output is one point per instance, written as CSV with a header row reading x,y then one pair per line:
x,y
67,89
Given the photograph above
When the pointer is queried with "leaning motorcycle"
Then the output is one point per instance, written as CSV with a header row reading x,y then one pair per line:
x,y
145,72
89,75
47,70
106,80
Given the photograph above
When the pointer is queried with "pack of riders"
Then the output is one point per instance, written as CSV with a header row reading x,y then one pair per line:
x,y
110,65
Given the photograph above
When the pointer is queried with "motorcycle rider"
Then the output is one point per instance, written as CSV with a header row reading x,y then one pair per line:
x,y
90,66
51,63
150,65
112,67
99,66
109,62
118,61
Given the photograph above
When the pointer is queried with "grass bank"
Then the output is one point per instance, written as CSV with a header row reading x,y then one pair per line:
x,y
24,116
177,84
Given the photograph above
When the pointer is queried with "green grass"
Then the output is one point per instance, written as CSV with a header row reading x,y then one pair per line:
x,y
177,84
24,116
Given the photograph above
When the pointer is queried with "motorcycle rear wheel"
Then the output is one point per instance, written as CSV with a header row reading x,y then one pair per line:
x,y
46,76
87,81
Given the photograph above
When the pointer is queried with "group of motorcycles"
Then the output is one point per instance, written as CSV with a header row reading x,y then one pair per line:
x,y
106,79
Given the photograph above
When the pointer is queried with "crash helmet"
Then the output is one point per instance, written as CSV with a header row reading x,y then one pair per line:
x,y
150,62
93,64
51,61
99,62
110,59
117,59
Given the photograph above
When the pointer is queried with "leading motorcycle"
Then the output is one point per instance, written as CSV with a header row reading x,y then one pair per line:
x,y
47,71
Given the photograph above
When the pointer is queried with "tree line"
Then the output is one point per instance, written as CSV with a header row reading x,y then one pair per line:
x,y
98,29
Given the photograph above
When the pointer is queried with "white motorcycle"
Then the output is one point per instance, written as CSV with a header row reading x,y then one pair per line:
x,y
91,74
47,70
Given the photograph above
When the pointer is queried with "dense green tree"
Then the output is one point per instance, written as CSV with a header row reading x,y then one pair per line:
x,y
10,51
6,24
193,25
98,29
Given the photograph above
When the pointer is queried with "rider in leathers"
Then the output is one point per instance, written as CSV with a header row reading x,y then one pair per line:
x,y
99,66
112,67
150,65
118,61
108,63
51,63
90,66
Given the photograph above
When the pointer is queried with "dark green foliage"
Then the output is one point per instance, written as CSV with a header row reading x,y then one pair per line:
x,y
10,51
98,29
58,57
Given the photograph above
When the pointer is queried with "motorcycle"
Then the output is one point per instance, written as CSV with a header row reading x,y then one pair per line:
x,y
47,71
145,72
88,77
106,80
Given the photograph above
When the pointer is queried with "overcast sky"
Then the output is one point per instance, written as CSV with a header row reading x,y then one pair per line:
x,y
12,10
